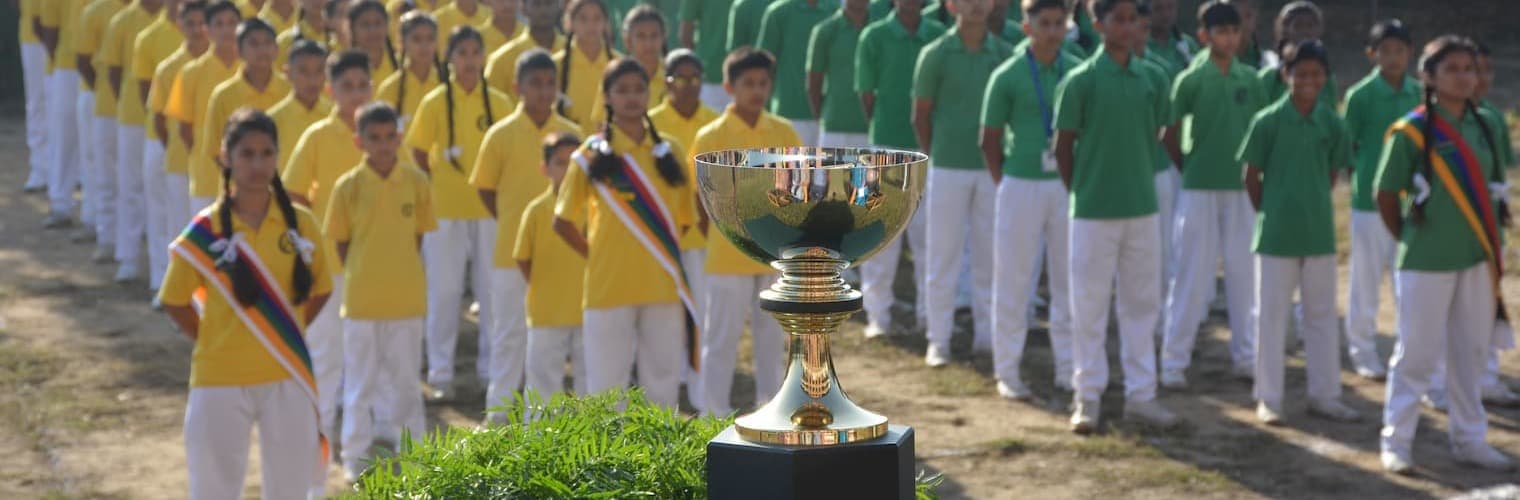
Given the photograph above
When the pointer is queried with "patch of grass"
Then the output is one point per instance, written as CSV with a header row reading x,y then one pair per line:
x,y
1007,447
1112,447
957,381
1170,476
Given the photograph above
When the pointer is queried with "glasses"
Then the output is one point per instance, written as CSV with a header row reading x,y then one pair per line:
x,y
683,81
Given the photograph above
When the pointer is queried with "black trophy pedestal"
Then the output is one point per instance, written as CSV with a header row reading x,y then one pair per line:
x,y
881,468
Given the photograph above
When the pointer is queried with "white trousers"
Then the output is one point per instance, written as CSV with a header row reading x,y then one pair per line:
x,y
130,202
548,349
84,123
63,124
380,384
1210,226
508,336
34,83
177,212
457,245
1109,255
827,139
103,172
1031,218
695,263
1446,315
713,96
1372,256
154,189
807,130
1314,280
1168,183
324,341
647,337
958,201
218,421
732,302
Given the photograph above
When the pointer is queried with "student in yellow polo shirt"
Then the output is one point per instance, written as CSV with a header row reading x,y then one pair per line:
x,y
281,14
582,59
153,46
634,306
379,212
174,207
444,139
116,55
256,85
243,375
369,30
58,20
542,32
502,27
306,104
505,177
555,276
732,278
98,153
462,13
419,60
190,94
644,37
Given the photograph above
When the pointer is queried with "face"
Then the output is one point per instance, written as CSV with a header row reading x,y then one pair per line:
x,y
421,43
1305,79
258,50
1247,9
504,9
369,30
1047,27
253,160
541,13
1223,39
307,75
1302,27
628,96
1121,26
558,164
1456,76
538,89
193,26
971,11
645,40
1391,56
351,89
588,23
856,5
751,90
467,59
1485,76
223,29
1163,14
684,83
380,141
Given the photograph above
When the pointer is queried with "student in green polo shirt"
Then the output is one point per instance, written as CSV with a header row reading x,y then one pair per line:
x,y
1448,305
785,31
1217,97
1298,21
1384,96
1107,111
704,29
1167,42
1031,205
831,76
1293,152
884,79
744,23
949,83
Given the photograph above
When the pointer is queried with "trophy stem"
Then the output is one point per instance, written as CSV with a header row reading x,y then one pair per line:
x,y
810,300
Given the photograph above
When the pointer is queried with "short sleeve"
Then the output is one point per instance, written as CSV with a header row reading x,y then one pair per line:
x,y
338,226
499,70
736,34
298,172
1255,146
486,173
818,48
1397,163
1353,112
426,221
865,62
422,134
998,99
926,73
180,282
204,139
110,51
179,106
574,191
522,249
1183,94
1070,100
142,67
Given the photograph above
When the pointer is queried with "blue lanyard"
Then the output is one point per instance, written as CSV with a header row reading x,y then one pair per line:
x,y
1039,91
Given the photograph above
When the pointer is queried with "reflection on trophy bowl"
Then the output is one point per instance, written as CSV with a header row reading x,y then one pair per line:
x,y
810,213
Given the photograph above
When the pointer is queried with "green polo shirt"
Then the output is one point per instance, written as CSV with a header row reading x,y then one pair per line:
x,y
1296,155
1251,56
1443,241
955,79
1156,67
880,8
1176,51
1506,148
784,31
1113,110
884,66
1274,86
831,51
1371,106
744,23
711,17
1016,104
1219,106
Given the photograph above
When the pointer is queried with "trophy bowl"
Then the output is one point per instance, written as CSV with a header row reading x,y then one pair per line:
x,y
810,213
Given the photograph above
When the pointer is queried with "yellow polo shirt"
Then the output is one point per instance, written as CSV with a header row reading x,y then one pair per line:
x,y
176,157
29,9
619,270
235,93
416,88
321,155
64,16
585,82
450,17
556,283
291,118
116,50
190,96
730,132
247,9
684,129
226,352
429,131
153,47
501,66
92,29
307,31
508,163
280,23
495,39
381,218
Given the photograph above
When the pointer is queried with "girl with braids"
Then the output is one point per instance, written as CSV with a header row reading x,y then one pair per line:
x,y
419,62
310,24
1443,156
644,35
636,289
444,138
255,279
587,50
367,30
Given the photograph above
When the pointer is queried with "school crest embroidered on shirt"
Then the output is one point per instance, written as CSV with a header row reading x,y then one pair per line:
x,y
287,247
406,209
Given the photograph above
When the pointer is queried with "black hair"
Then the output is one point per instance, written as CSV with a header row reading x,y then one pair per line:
x,y
375,113
535,59
364,7
410,21
566,53
1307,50
747,58
1101,8
604,164
1435,52
191,6
681,56
1034,8
245,285
556,140
304,48
460,35
1217,13
647,13
220,6
340,62
1390,29
253,25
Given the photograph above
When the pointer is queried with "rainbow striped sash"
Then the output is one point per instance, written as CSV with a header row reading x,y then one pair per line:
x,y
272,319
631,196
1461,174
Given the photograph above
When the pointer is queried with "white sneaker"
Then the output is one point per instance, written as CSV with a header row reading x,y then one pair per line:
x,y
127,272
874,330
1435,400
1173,380
937,355
1484,456
103,253
1396,462
1014,391
1149,412
1084,417
1333,409
1245,373
1500,396
1369,367
1266,414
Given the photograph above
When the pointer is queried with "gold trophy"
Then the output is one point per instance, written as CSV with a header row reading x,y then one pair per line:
x,y
810,213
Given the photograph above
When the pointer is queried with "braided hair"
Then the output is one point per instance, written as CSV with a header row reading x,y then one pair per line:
x,y
411,21
605,162
565,54
245,285
367,6
462,34
1435,52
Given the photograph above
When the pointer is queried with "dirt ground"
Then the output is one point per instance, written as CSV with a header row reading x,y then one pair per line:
x,y
93,386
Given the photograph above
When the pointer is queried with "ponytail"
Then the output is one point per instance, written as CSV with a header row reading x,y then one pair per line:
x,y
665,159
